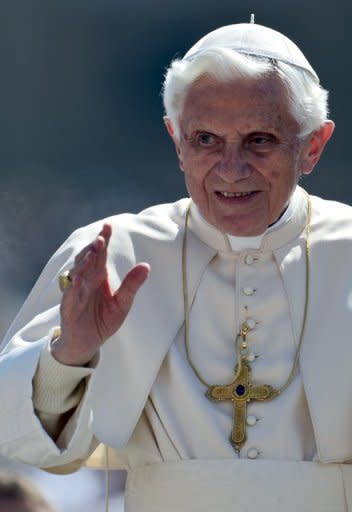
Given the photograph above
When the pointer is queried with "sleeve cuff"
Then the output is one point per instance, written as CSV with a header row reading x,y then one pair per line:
x,y
58,388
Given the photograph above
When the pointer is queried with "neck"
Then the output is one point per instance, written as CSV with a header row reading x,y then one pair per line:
x,y
254,242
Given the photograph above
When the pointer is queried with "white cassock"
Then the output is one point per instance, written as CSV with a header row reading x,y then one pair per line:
x,y
143,398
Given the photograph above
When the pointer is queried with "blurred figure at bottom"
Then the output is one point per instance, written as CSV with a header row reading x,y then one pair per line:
x,y
20,494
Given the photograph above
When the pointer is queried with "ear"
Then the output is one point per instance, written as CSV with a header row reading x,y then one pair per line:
x,y
169,126
315,146
171,131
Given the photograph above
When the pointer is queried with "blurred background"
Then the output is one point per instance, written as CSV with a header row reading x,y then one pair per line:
x,y
81,132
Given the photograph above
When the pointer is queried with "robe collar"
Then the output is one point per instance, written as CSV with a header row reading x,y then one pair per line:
x,y
288,227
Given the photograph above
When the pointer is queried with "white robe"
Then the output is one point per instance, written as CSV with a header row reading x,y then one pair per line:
x,y
150,344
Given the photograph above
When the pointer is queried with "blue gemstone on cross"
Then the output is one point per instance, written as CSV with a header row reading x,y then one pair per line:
x,y
240,390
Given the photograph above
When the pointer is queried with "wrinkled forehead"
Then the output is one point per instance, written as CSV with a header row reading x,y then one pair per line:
x,y
265,90
243,105
256,40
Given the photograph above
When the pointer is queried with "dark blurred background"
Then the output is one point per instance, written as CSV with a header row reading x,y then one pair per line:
x,y
81,133
81,114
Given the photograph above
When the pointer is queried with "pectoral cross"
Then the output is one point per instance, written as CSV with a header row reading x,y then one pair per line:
x,y
241,391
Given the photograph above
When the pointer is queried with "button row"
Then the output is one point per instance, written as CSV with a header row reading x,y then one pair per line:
x,y
251,420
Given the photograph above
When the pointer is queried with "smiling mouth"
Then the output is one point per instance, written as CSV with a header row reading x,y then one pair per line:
x,y
236,195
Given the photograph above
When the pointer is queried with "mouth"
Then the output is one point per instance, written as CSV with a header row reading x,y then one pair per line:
x,y
236,195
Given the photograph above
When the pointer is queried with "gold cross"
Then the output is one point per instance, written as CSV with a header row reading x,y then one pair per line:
x,y
240,392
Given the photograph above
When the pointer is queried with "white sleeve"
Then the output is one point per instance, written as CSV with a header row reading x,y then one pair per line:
x,y
22,436
57,391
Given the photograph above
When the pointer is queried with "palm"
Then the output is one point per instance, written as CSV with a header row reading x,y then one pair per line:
x,y
90,311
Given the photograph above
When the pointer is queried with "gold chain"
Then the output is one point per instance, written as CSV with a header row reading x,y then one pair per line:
x,y
107,478
244,329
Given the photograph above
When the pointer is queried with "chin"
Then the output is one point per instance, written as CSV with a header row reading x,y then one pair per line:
x,y
234,229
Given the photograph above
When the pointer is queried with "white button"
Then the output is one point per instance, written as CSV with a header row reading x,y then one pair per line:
x,y
249,259
252,453
247,290
251,323
251,357
251,421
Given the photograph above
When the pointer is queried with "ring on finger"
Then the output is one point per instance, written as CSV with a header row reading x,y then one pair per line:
x,y
65,280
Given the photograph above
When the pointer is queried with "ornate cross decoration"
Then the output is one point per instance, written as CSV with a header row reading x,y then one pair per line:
x,y
240,392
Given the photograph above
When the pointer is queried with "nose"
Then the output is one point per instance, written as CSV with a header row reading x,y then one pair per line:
x,y
233,165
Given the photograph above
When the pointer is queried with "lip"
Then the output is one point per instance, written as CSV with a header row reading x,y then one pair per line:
x,y
243,196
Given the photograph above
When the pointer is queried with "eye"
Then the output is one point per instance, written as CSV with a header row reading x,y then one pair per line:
x,y
261,141
206,139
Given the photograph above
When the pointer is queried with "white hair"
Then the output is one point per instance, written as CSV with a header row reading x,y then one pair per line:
x,y
308,101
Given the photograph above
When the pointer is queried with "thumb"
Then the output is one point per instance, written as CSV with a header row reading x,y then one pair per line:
x,y
129,287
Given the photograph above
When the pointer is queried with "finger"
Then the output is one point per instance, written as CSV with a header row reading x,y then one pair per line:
x,y
102,251
90,263
85,266
129,287
74,299
100,242
89,272
93,267
82,254
106,232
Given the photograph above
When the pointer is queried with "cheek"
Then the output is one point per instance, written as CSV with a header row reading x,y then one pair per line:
x,y
200,157
274,176
281,183
197,167
281,172
196,184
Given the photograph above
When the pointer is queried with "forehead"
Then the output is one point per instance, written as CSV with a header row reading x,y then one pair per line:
x,y
244,104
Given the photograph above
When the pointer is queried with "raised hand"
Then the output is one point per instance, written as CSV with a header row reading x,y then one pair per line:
x,y
90,311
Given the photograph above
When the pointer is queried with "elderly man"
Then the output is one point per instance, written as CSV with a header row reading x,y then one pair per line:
x,y
226,385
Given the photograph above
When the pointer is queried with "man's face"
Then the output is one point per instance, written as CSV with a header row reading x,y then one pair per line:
x,y
240,152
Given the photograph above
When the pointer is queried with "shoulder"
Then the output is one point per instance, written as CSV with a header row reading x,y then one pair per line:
x,y
328,206
158,222
331,219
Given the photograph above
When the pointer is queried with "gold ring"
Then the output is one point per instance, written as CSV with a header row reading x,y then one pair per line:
x,y
65,280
